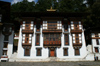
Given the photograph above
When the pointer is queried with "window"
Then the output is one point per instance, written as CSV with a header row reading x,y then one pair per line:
x,y
66,39
77,52
59,25
77,38
26,52
4,52
76,25
37,39
76,22
96,35
66,27
65,51
27,38
5,44
44,24
38,52
52,38
52,25
96,49
6,38
37,28
27,25
97,41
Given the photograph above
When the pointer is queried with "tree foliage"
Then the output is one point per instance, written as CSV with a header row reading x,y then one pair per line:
x,y
69,6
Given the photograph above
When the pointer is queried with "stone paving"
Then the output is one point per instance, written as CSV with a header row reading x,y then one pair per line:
x,y
92,63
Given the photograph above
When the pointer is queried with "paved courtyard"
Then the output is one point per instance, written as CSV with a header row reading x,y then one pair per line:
x,y
97,63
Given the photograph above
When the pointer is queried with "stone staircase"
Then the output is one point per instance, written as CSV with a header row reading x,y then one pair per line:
x,y
53,59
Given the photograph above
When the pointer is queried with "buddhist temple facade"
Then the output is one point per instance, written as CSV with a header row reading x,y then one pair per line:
x,y
46,36
51,37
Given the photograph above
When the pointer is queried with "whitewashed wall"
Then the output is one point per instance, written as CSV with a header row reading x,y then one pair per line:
x,y
45,51
94,44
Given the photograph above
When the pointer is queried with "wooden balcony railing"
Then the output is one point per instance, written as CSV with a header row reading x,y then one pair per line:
x,y
76,30
52,43
77,44
27,31
26,44
52,31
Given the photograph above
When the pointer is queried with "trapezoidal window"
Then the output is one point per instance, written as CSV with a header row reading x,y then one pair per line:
x,y
77,52
52,38
97,41
26,52
37,39
65,27
38,52
96,49
65,51
6,38
66,39
52,25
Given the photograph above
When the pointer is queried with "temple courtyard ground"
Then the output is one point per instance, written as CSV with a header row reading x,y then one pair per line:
x,y
92,63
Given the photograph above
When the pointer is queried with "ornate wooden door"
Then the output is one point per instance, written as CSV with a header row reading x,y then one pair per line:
x,y
52,52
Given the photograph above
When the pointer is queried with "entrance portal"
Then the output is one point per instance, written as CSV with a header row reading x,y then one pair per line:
x,y
52,52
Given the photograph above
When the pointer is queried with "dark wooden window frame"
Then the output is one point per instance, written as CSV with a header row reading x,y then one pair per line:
x,y
77,54
77,37
65,51
66,39
96,48
28,54
96,35
38,40
37,51
65,27
97,41
27,37
6,38
52,25
5,45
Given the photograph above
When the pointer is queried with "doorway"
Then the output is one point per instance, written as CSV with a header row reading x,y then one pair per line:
x,y
52,52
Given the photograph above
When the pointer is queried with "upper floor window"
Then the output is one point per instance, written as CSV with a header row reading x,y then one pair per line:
x,y
27,25
52,37
37,39
66,39
96,49
39,51
6,38
27,38
96,35
76,25
52,25
77,52
77,38
26,52
97,41
65,51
